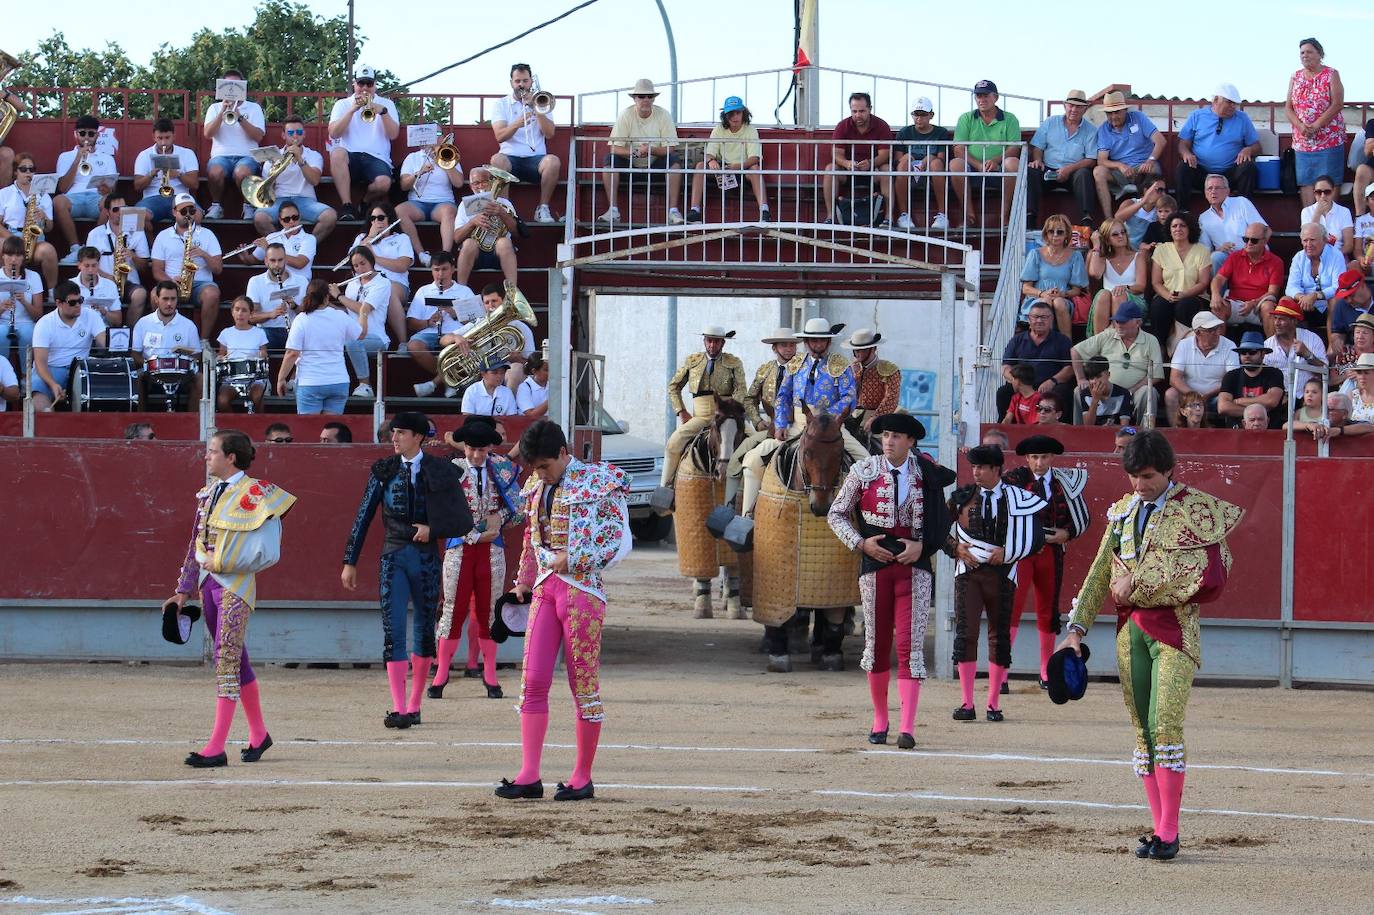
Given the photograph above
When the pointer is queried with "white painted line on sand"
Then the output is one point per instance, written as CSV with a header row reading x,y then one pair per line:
x,y
560,905
130,904
1087,761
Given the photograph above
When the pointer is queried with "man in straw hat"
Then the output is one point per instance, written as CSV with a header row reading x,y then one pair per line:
x,y
760,401
892,508
1129,147
817,379
708,374
643,137
1063,151
878,382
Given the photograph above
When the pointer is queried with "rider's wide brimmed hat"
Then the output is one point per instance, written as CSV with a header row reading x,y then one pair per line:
x,y
780,335
819,329
717,330
863,338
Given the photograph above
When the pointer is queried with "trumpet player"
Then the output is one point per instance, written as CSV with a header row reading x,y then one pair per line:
x,y
77,197
17,214
429,195
235,129
362,127
296,185
109,238
150,181
481,209
185,245
523,134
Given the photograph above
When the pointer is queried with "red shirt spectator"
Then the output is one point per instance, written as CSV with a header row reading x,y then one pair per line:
x,y
1022,409
1249,279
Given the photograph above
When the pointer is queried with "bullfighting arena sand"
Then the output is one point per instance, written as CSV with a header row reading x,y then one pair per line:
x,y
720,788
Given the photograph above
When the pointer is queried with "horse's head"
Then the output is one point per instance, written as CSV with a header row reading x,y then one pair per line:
x,y
820,457
727,429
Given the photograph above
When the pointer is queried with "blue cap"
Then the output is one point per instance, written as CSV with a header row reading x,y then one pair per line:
x,y
733,103
985,87
1252,341
1066,675
493,363
1128,311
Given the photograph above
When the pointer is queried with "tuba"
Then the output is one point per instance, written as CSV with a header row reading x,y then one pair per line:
x,y
8,113
33,227
491,336
485,235
257,192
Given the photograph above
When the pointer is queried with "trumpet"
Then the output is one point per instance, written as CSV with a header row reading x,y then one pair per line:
x,y
230,114
84,168
165,189
367,112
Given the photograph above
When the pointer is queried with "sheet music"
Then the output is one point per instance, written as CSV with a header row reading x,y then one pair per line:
x,y
43,184
14,289
422,134
265,154
118,339
131,220
101,304
163,163
231,90
286,292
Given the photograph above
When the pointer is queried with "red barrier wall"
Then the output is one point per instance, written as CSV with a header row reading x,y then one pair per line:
x,y
186,426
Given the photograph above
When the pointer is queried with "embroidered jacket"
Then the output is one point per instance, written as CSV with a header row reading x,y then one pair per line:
x,y
762,397
587,519
500,495
879,387
866,502
435,499
1067,508
821,384
726,378
238,539
1180,560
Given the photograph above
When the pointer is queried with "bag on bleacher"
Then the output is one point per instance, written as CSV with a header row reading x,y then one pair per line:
x,y
859,211
1288,172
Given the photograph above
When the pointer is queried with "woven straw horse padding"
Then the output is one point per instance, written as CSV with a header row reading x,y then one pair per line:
x,y
699,555
800,561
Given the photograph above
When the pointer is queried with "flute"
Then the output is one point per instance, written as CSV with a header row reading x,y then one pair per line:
x,y
368,242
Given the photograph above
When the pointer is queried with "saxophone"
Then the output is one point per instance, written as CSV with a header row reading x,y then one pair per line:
x,y
33,227
121,264
188,267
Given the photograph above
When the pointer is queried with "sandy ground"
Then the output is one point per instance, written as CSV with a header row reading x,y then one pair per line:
x,y
720,788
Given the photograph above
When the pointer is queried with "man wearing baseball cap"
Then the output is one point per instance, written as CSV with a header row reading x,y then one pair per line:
x,y
987,141
171,254
1199,362
919,155
734,147
1135,358
1293,344
1219,139
1063,151
1351,300
362,144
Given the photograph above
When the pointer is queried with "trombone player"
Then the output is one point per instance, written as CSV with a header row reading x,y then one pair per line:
x,y
429,176
77,197
296,185
235,129
523,128
362,127
160,187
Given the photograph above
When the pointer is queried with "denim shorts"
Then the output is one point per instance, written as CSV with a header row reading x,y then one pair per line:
x,y
321,398
526,168
311,209
199,285
427,209
59,375
85,204
158,207
1312,165
366,168
229,163
430,336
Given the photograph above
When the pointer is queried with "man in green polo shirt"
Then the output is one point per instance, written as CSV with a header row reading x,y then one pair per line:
x,y
987,140
1135,358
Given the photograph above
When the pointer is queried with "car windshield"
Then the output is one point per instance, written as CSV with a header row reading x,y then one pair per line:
x,y
600,420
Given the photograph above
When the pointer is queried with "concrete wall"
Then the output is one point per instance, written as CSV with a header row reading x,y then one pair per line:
x,y
630,331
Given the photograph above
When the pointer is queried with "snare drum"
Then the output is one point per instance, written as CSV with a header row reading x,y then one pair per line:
x,y
106,384
172,367
241,371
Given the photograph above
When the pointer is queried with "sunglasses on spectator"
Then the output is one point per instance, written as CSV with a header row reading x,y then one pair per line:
x,y
1250,241
365,82
76,301
281,440
295,131
1044,409
1323,190
1219,126
283,218
1055,232
23,168
1116,234
86,133
378,217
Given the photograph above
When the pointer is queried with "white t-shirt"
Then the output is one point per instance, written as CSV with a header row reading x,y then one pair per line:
x,y
243,344
143,165
170,248
302,243
1282,360
102,239
527,140
530,394
152,337
394,245
1336,219
360,136
7,380
377,293
1236,214
320,337
34,285
105,290
230,140
291,182
1203,373
67,342
467,306
14,203
472,205
500,402
260,290
433,186
101,163
106,141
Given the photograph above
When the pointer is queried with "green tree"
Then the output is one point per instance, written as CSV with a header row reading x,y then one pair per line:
x,y
55,64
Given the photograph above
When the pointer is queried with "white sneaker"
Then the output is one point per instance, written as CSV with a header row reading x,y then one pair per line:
x,y
215,212
610,216
940,222
425,389
425,258
249,211
451,392
675,217
363,390
904,222
71,256
542,213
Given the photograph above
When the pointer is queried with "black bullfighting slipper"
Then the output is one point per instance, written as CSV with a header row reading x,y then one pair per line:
x,y
877,736
1146,844
564,793
995,714
397,720
1164,851
493,692
472,673
436,691
196,761
252,753
414,716
905,741
965,713
511,791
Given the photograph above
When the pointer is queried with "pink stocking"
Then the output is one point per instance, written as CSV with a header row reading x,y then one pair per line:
x,y
1046,649
533,727
419,673
588,734
1152,796
910,693
447,649
396,678
997,675
1170,800
252,710
877,691
489,662
473,637
968,671
224,716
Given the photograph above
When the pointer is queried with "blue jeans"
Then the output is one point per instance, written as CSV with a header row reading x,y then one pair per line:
x,y
358,352
321,398
227,164
158,207
59,375
311,209
24,328
427,209
409,575
365,168
276,339
85,204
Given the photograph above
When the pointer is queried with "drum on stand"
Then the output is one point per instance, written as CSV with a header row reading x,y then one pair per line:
x,y
107,384
169,373
241,375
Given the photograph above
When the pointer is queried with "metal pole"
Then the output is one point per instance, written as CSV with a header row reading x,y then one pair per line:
x,y
949,456
672,59
1286,568
670,344
351,49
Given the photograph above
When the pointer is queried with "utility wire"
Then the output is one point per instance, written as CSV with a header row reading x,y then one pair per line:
x,y
563,15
